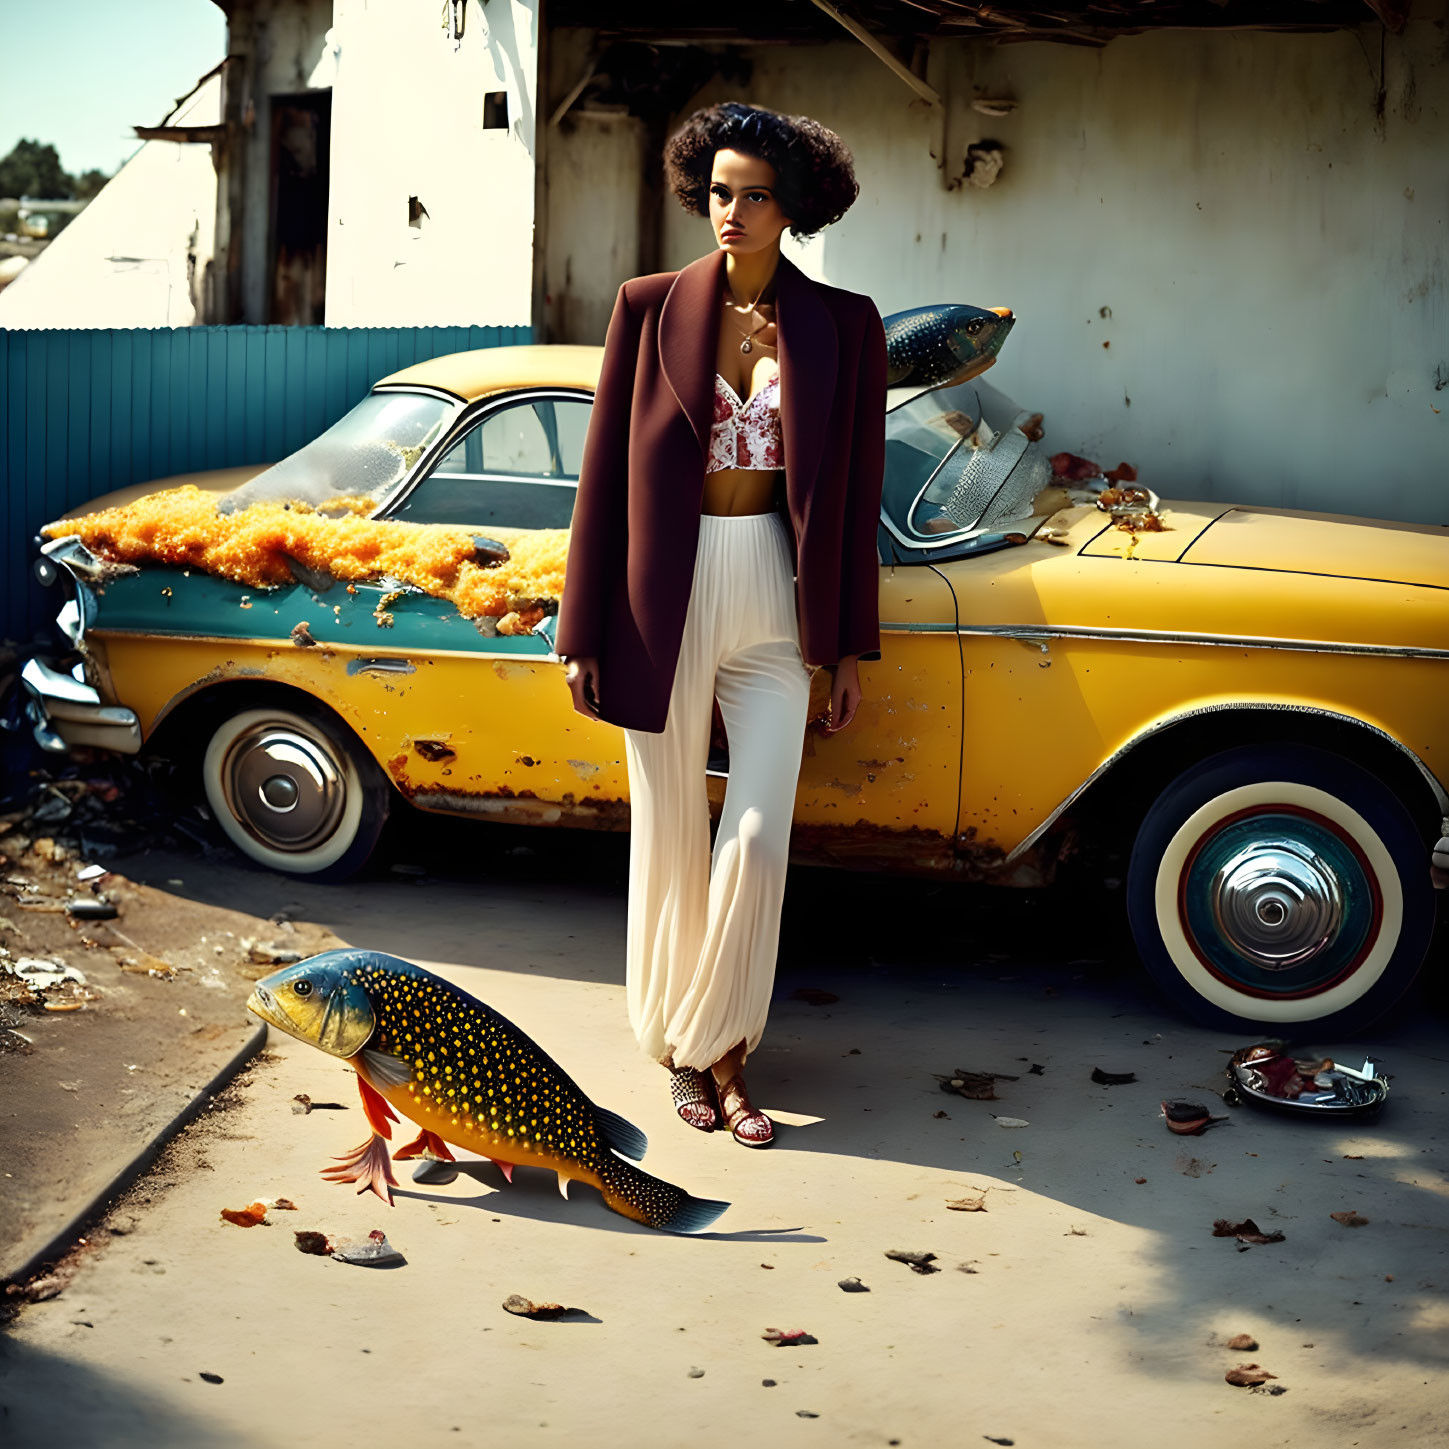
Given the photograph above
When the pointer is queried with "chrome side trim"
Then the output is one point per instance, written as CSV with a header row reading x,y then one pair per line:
x,y
1031,633
384,664
1116,756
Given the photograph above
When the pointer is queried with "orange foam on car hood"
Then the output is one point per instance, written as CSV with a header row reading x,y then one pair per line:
x,y
256,546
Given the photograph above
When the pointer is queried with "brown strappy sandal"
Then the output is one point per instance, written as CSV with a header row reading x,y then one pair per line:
x,y
747,1126
694,1099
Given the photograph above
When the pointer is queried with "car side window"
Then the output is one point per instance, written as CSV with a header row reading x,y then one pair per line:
x,y
517,466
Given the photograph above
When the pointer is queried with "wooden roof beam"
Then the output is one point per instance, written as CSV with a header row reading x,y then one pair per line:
x,y
927,93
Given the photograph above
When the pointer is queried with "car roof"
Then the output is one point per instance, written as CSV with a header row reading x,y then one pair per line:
x,y
472,375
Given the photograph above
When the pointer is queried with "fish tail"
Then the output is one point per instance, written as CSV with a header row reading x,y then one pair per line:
x,y
633,1193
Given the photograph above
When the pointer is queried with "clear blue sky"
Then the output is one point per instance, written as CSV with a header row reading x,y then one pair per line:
x,y
81,73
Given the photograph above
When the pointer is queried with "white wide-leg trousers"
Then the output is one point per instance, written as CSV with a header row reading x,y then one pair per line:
x,y
703,934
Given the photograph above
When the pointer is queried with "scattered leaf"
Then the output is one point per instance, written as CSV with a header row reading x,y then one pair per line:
x,y
1246,1231
917,1262
315,1243
1242,1343
968,1204
247,1217
1248,1374
1349,1219
977,1086
1112,1079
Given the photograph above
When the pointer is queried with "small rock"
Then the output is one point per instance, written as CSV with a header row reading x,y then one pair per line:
x,y
767,1383
315,1243
852,1285
373,1251
1246,1375
1242,1343
1012,1122
211,1378
805,1414
525,1308
696,1373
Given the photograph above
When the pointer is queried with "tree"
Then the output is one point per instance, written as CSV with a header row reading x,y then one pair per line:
x,y
88,184
33,169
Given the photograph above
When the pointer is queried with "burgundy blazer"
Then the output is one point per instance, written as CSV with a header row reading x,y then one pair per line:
x,y
636,517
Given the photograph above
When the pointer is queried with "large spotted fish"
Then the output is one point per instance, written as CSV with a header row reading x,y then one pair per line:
x,y
466,1076
947,342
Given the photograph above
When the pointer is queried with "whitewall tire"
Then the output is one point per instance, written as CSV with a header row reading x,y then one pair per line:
x,y
1280,889
294,792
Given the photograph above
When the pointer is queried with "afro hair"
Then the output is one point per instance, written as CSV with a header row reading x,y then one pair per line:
x,y
815,174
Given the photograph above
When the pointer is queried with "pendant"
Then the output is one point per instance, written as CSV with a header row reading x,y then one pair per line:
x,y
747,345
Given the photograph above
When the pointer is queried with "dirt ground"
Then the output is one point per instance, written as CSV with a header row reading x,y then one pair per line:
x,y
1087,1304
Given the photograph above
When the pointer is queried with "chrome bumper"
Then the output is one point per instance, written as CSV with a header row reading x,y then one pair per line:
x,y
65,711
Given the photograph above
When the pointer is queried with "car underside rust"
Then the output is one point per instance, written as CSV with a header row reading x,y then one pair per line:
x,y
863,845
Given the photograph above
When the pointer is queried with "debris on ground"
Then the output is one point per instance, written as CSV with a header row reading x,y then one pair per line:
x,y
247,1217
978,1086
788,1337
1242,1343
1012,1122
1350,1219
1189,1119
525,1308
1193,1166
265,953
1248,1374
211,1378
969,1204
916,1262
1267,1075
254,1213
1112,1079
1246,1231
313,1242
373,1251
813,996
852,1285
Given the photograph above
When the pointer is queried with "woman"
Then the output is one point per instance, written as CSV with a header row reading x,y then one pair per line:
x,y
723,545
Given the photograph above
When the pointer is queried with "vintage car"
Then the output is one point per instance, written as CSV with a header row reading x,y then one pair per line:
x,y
1249,705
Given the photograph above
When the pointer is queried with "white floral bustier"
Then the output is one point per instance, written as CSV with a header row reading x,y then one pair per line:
x,y
746,434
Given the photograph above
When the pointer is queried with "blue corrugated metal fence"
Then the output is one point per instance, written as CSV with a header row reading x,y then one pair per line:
x,y
82,413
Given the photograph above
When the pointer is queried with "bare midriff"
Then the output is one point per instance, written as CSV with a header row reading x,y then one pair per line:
x,y
734,492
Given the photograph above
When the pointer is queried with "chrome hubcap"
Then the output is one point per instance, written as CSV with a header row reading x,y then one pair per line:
x,y
1277,903
284,786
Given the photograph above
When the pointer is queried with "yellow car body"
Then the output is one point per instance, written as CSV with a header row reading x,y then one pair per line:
x,y
1046,685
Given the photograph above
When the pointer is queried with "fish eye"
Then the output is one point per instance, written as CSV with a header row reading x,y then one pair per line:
x,y
302,987
974,326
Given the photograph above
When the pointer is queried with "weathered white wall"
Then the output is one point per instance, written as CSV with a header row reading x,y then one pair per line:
x,y
1272,250
135,256
596,183
407,120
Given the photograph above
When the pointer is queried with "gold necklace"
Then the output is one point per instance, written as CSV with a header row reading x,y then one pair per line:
x,y
748,345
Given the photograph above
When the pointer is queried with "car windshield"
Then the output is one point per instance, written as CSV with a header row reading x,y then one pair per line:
x,y
957,460
357,460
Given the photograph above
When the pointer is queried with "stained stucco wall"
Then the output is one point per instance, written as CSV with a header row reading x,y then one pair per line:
x,y
1266,233
407,120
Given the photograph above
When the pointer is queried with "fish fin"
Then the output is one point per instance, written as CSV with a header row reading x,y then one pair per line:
x,y
633,1193
563,1187
385,1069
367,1164
427,1144
624,1137
379,1114
506,1168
